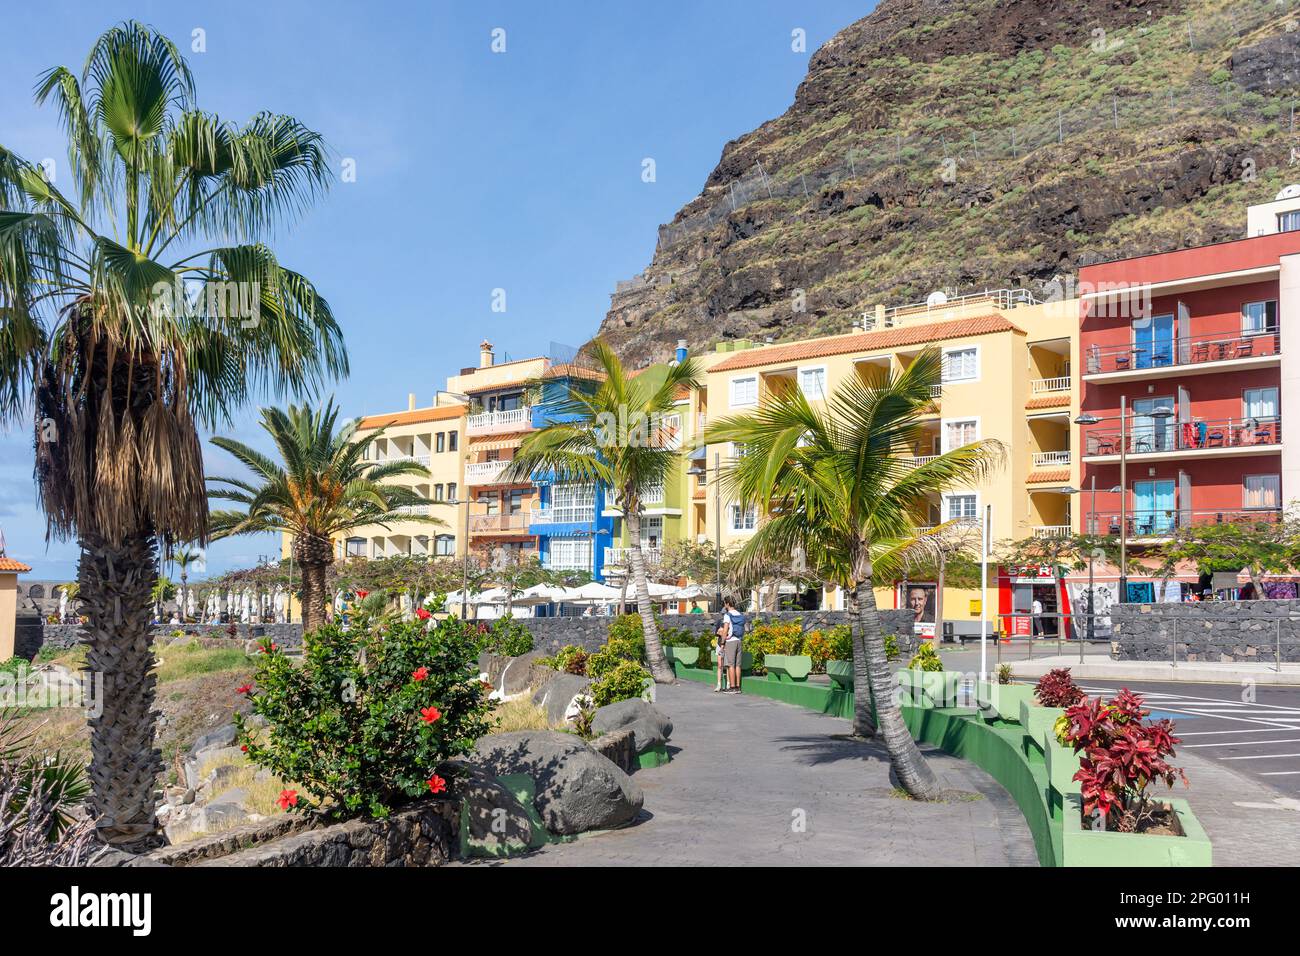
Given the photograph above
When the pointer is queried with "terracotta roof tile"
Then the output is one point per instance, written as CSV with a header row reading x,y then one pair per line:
x,y
9,564
1049,401
436,414
866,341
1049,474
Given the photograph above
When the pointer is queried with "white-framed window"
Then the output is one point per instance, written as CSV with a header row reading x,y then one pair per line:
x,y
739,449
742,519
744,391
1261,491
569,554
959,431
1259,318
812,382
652,531
961,365
963,506
1288,221
355,548
437,493
444,546
1259,403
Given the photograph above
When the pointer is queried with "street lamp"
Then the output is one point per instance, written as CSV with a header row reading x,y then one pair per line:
x,y
1160,414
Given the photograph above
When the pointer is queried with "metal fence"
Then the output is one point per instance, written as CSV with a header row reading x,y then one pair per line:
x,y
1271,639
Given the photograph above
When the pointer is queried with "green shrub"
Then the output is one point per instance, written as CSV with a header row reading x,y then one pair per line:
x,y
364,722
626,630
571,660
505,636
785,637
16,666
926,658
892,649
626,680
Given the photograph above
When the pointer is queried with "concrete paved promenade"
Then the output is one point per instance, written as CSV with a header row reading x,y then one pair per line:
x,y
761,783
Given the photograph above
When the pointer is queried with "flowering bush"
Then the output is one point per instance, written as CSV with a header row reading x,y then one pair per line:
x,y
624,681
773,637
570,659
818,647
1121,755
1057,688
364,721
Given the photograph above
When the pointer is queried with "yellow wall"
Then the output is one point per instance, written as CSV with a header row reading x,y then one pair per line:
x,y
8,613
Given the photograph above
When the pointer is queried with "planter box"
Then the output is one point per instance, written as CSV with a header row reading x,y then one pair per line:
x,y
840,673
1004,699
1062,764
687,656
929,688
790,668
1084,846
1038,721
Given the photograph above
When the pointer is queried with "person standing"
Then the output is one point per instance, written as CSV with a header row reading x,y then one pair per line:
x,y
721,632
1036,612
734,644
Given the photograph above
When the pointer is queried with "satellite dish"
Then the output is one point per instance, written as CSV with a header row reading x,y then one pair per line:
x,y
936,298
1289,192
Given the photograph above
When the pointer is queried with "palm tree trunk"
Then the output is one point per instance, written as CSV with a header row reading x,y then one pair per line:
x,y
660,669
116,591
315,555
864,725
913,771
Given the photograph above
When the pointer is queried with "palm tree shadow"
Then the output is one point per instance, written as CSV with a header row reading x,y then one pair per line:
x,y
812,750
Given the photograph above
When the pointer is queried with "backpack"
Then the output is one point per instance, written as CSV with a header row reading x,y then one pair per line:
x,y
737,624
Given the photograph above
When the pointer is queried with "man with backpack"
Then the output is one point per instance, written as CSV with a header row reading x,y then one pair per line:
x,y
733,643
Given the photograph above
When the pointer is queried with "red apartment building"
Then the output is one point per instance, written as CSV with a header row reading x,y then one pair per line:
x,y
1198,348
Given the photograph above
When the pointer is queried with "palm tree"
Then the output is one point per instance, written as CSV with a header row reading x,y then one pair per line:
x,y
610,432
834,483
184,556
122,332
324,489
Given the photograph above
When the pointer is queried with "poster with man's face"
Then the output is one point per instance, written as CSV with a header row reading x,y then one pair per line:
x,y
919,599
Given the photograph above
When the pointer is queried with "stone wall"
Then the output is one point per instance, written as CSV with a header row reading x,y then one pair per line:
x,y
589,633
1219,631
67,635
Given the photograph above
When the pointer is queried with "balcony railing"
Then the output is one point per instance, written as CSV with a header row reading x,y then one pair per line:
x,y
618,557
1145,438
1165,521
484,472
419,459
1052,531
1194,350
498,524
491,423
920,460
1051,459
564,514
415,509
1050,386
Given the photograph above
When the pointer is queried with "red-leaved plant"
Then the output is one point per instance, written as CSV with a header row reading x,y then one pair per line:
x,y
1121,755
1057,688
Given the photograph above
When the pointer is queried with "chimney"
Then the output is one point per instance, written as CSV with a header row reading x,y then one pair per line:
x,y
410,401
681,353
485,357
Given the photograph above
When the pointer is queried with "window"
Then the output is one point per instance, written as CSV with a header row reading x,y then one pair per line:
x,y
355,548
1288,221
440,442
1259,318
515,501
652,531
569,554
451,491
743,519
488,499
960,507
1259,403
453,441
961,365
444,546
1261,491
812,382
744,391
437,492
739,449
959,433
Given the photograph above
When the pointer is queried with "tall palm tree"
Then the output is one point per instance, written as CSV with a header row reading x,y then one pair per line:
x,y
323,489
611,432
184,557
122,331
835,483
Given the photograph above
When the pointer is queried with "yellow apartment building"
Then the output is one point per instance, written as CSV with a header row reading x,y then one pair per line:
x,y
1007,376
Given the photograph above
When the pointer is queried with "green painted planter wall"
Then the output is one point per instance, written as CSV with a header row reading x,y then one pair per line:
x,y
1085,847
840,673
687,655
1004,699
1038,721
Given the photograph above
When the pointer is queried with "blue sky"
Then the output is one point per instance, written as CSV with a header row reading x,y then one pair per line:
x,y
475,170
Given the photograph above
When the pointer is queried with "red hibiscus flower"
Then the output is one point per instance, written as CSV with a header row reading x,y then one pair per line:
x,y
361,595
420,673
246,689
422,614
430,714
288,798
244,747
437,784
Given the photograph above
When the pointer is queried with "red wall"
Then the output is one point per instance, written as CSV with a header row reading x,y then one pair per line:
x,y
1216,482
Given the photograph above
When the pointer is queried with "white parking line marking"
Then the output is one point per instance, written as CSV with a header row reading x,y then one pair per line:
x,y
1261,757
1279,773
1245,743
1251,730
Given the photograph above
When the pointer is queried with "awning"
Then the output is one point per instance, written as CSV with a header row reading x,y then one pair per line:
x,y
495,444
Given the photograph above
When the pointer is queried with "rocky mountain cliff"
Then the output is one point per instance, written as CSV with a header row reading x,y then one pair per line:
x,y
964,144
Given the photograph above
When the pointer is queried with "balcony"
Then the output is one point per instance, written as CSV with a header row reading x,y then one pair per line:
x,y
567,514
415,510
917,462
516,523
1152,442
1052,531
1164,522
1197,354
1041,387
1051,459
497,423
485,472
618,557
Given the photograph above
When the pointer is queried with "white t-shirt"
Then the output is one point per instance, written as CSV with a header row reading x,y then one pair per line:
x,y
1037,607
